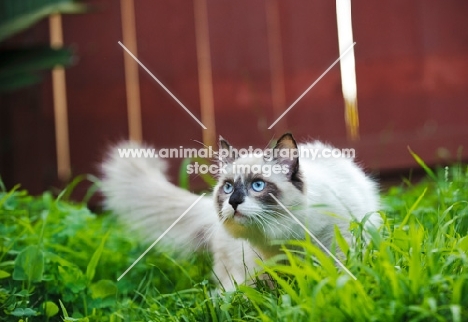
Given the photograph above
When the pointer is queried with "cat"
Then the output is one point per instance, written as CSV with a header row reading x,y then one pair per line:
x,y
244,218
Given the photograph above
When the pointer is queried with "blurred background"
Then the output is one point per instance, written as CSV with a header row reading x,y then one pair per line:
x,y
237,65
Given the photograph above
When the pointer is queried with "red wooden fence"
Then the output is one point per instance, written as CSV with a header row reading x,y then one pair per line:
x,y
412,79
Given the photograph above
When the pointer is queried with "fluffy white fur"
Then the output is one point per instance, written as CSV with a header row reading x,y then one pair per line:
x,y
335,191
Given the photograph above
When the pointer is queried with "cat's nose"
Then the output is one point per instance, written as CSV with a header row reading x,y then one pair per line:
x,y
236,199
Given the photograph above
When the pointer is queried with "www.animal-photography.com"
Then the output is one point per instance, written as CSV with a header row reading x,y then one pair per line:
x,y
218,160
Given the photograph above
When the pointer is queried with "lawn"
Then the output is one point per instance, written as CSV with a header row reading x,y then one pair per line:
x,y
59,261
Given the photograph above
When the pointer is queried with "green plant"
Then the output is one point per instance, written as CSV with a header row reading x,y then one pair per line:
x,y
414,269
59,259
20,67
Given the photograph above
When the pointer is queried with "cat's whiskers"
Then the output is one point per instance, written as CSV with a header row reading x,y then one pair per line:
x,y
280,225
282,215
269,218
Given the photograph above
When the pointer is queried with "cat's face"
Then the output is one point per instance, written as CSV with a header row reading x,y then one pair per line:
x,y
245,194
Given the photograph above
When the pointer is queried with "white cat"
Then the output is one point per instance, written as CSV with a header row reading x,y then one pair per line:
x,y
243,220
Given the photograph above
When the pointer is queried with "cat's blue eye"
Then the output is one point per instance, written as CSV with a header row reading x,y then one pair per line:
x,y
228,187
258,185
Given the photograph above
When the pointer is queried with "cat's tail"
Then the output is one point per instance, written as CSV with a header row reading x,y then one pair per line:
x,y
137,191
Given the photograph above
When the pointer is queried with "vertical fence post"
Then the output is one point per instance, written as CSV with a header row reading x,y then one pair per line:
x,y
132,83
205,80
59,88
275,52
347,68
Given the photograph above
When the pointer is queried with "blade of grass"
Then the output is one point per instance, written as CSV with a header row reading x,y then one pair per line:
x,y
413,207
91,268
423,165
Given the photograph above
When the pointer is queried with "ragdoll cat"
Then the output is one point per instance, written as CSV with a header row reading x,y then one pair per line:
x,y
242,221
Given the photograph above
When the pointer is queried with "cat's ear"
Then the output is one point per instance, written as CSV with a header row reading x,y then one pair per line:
x,y
286,154
226,153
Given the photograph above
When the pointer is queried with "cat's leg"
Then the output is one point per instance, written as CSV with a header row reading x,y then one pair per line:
x,y
235,261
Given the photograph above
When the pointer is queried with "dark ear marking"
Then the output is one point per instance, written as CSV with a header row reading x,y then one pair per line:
x,y
226,151
286,153
286,141
223,143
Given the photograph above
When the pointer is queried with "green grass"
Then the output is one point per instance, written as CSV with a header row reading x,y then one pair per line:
x,y
59,261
